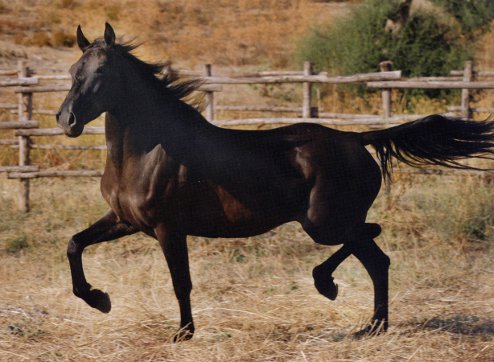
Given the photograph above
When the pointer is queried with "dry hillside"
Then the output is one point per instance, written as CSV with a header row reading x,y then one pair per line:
x,y
225,32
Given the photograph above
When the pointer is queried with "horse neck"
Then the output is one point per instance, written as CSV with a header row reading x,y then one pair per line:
x,y
146,118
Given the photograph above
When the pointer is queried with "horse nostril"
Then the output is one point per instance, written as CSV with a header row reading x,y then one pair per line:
x,y
72,121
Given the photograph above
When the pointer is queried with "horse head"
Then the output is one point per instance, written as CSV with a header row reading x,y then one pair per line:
x,y
95,83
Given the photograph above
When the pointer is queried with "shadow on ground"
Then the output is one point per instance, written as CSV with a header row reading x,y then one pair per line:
x,y
459,324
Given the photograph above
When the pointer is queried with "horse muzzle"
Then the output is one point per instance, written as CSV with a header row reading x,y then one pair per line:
x,y
67,121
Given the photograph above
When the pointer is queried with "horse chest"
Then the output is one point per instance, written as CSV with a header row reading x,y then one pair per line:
x,y
137,200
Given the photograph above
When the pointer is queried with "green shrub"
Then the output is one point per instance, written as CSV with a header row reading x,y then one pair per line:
x,y
359,42
472,15
426,45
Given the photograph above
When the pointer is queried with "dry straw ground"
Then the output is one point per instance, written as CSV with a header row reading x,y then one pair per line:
x,y
253,299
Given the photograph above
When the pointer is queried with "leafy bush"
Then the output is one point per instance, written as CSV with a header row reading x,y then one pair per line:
x,y
360,41
472,15
426,47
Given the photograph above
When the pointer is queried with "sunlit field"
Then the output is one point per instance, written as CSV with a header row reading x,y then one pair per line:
x,y
253,299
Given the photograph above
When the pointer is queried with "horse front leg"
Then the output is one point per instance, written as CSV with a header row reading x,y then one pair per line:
x,y
105,229
174,247
322,274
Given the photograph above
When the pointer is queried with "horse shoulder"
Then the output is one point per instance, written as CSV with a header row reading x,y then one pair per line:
x,y
137,191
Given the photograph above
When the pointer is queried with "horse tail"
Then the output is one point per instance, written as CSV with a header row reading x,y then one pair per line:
x,y
433,140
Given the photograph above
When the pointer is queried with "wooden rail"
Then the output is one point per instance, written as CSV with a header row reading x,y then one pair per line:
x,y
55,131
22,81
18,125
27,130
306,78
410,84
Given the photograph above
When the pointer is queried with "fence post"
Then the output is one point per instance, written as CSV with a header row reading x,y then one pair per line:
x,y
307,91
466,111
209,95
25,113
386,66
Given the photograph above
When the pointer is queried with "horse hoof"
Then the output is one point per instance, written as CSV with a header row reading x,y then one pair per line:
x,y
371,330
325,285
184,334
99,300
329,290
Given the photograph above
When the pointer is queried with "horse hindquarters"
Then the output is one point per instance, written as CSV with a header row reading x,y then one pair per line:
x,y
346,184
339,201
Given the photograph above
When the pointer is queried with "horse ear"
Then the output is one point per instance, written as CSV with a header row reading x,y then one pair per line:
x,y
81,39
109,35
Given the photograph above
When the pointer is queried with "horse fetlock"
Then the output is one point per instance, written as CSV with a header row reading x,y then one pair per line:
x,y
377,327
81,291
185,333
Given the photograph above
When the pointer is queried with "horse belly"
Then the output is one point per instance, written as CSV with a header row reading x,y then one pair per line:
x,y
218,213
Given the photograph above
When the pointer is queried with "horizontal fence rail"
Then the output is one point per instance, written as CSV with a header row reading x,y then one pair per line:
x,y
411,84
28,131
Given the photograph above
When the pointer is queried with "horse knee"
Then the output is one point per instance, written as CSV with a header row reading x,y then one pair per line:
x,y
73,248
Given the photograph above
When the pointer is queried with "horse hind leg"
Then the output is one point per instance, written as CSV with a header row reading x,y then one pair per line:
x,y
377,263
322,273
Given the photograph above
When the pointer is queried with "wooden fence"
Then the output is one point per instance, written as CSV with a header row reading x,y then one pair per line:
x,y
27,129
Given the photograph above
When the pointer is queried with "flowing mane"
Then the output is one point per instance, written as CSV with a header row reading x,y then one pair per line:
x,y
160,74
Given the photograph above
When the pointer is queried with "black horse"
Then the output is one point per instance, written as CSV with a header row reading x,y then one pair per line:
x,y
169,173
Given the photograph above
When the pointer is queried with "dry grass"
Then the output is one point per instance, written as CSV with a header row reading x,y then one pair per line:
x,y
225,32
253,298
